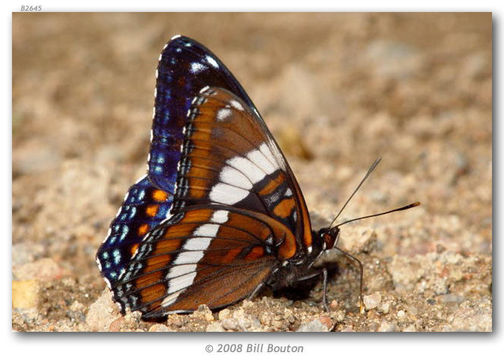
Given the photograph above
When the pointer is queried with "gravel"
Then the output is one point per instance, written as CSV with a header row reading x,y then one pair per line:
x,y
336,90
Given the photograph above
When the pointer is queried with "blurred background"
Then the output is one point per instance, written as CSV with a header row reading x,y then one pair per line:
x,y
337,90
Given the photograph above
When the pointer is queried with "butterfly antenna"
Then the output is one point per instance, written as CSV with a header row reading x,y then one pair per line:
x,y
370,170
409,206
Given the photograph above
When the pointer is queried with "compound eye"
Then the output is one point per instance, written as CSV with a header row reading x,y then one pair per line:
x,y
329,239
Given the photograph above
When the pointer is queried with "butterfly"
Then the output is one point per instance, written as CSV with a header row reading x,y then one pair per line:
x,y
219,214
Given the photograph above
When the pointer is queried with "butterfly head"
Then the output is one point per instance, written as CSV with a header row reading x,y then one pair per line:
x,y
329,236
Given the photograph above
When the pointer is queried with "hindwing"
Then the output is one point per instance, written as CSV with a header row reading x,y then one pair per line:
x,y
213,255
144,207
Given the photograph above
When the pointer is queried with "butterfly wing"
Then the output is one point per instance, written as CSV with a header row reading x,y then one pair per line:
x,y
211,153
214,255
185,66
229,157
144,207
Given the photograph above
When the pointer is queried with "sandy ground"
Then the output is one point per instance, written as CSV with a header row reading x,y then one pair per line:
x,y
337,90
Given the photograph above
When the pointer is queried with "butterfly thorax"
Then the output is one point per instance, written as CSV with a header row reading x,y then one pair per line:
x,y
300,267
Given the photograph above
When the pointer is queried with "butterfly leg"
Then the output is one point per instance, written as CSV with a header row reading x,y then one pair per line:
x,y
324,284
256,291
361,276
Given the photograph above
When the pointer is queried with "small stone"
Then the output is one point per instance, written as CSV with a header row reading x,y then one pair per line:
x,y
339,316
230,324
326,321
215,327
204,313
372,301
177,320
43,269
247,304
26,252
265,319
203,308
384,307
440,287
77,306
116,325
401,314
334,305
410,328
224,314
451,298
102,312
313,326
160,328
386,326
132,319
348,328
25,294
277,324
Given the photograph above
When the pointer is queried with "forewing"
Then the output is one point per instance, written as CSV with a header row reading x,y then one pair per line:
x,y
184,68
230,158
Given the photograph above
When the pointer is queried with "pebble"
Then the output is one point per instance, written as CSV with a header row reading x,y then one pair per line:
x,y
224,314
204,313
116,325
229,324
326,321
160,328
265,319
386,326
215,327
43,269
410,328
313,326
102,312
25,294
25,252
372,301
451,298
384,307
348,328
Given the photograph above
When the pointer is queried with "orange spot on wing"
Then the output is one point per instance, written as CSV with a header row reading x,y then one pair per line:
x,y
142,229
284,208
151,210
271,185
159,195
255,253
133,249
